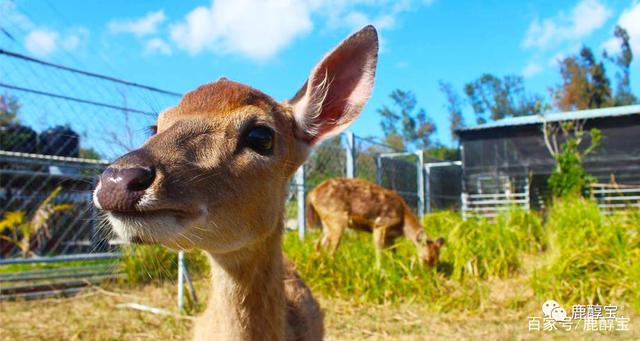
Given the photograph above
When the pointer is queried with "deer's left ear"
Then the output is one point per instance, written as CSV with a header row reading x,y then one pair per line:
x,y
337,88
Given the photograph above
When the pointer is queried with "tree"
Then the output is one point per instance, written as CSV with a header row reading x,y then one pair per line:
x,y
584,83
89,153
9,108
569,176
501,97
443,152
416,128
623,94
454,107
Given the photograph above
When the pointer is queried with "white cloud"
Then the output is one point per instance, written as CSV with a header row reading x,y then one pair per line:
x,y
532,69
260,29
257,29
629,20
157,46
402,64
556,59
10,15
38,40
139,27
75,38
586,17
384,19
41,42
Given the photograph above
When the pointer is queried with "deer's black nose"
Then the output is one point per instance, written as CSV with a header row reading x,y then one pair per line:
x,y
122,188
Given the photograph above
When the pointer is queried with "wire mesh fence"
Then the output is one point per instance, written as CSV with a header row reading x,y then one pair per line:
x,y
443,185
399,171
58,128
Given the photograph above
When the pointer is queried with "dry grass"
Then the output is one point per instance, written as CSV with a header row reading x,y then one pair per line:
x,y
93,315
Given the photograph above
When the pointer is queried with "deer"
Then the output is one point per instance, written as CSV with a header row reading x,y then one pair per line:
x,y
215,176
338,203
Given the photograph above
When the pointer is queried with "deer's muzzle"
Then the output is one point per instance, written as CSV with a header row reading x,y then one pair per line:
x,y
121,189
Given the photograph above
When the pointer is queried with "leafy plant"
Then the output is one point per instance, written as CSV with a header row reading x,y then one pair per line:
x,y
22,229
569,176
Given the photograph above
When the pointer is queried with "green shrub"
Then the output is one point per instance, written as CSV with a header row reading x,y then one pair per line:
x,y
593,259
569,178
153,263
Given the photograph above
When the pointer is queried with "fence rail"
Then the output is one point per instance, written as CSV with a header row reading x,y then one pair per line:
x,y
490,205
612,197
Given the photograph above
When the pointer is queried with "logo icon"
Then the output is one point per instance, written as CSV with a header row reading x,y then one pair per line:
x,y
552,309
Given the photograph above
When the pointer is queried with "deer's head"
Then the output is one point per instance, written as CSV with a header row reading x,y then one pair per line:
x,y
429,249
215,173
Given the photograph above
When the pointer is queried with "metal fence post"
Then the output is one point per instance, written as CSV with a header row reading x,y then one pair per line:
x,y
300,195
463,199
427,185
527,203
351,155
378,169
180,280
420,171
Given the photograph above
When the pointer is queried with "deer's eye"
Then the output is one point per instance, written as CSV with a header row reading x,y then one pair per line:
x,y
260,139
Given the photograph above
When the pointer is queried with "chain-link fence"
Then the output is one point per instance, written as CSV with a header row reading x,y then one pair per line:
x,y
443,185
58,128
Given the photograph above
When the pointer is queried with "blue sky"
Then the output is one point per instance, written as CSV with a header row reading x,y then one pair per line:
x,y
272,45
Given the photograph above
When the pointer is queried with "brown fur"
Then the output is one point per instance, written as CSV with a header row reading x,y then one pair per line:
x,y
211,190
340,203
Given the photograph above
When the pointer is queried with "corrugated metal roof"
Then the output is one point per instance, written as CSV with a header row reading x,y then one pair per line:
x,y
558,116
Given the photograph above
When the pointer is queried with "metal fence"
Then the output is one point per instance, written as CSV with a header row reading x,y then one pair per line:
x,y
614,197
58,126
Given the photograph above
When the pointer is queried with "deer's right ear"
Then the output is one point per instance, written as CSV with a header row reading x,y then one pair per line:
x,y
337,88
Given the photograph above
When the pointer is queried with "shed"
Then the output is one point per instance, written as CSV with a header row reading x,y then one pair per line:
x,y
510,155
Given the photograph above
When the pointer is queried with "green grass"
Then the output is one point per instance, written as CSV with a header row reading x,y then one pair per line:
x,y
577,256
481,248
352,274
144,264
593,258
42,266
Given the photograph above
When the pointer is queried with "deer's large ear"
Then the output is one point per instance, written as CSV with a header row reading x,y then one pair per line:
x,y
337,88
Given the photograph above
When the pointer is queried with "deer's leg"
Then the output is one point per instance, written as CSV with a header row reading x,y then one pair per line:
x,y
323,241
335,227
379,240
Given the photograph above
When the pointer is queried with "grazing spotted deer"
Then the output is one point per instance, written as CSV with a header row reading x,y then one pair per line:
x,y
340,203
215,176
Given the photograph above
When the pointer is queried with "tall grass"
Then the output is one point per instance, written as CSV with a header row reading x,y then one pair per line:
x,y
480,248
145,264
585,256
593,258
352,274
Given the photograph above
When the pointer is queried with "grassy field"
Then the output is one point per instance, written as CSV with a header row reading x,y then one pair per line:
x,y
492,277
95,315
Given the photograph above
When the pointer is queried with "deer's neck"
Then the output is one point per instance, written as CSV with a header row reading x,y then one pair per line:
x,y
247,295
412,227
